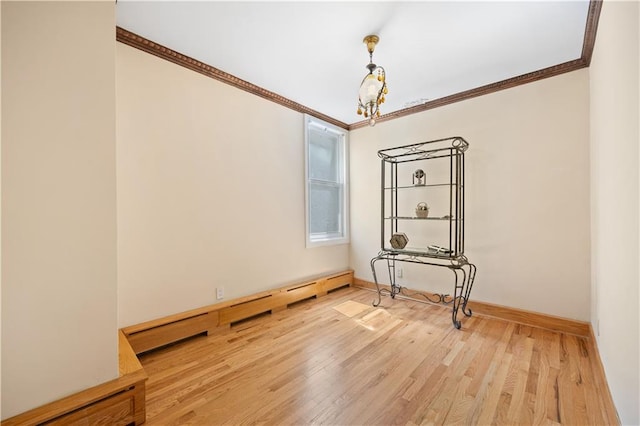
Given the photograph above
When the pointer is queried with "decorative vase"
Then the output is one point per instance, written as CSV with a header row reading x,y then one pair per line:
x,y
422,210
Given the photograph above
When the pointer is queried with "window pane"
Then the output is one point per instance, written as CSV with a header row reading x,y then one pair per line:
x,y
324,155
324,209
327,208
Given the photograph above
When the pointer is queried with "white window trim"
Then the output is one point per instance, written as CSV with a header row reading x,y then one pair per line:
x,y
328,239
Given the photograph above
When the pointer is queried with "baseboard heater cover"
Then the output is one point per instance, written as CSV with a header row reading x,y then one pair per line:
x,y
217,318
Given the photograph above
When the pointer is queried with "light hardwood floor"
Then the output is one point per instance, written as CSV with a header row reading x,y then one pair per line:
x,y
337,360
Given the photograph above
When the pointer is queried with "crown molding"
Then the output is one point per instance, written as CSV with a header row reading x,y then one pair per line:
x,y
593,16
479,91
595,6
584,61
134,40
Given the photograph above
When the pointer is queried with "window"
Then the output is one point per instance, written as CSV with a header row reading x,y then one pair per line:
x,y
326,183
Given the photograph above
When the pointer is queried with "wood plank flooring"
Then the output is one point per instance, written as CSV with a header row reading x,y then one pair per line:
x,y
337,360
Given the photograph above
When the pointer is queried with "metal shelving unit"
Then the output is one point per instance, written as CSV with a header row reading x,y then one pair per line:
x,y
435,240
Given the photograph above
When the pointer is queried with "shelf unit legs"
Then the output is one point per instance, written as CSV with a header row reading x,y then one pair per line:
x,y
394,288
464,278
464,273
472,278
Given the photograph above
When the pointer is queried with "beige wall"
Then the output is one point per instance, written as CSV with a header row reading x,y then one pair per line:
x,y
0,208
210,191
527,194
58,201
615,186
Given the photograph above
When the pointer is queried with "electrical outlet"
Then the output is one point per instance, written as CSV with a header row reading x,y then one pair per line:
x,y
399,272
220,293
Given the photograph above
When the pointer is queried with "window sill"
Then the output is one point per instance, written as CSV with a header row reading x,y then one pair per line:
x,y
321,242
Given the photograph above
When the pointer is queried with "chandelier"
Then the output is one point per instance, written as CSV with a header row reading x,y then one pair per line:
x,y
373,86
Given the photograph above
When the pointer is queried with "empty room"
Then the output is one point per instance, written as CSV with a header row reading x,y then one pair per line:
x,y
341,213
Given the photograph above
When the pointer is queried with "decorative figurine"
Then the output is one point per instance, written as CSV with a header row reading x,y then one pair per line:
x,y
419,178
399,240
422,210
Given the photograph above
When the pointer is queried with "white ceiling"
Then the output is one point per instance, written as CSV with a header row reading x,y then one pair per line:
x,y
312,52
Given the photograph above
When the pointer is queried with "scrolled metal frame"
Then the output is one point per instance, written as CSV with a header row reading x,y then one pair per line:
x,y
454,258
463,271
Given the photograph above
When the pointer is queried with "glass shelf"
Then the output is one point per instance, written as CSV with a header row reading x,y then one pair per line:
x,y
421,186
419,251
419,218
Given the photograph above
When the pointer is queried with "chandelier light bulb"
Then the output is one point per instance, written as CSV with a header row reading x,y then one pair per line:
x,y
369,89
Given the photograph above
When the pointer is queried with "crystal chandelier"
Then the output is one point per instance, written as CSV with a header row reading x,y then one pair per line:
x,y
373,87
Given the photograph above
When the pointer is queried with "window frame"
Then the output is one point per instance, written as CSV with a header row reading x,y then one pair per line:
x,y
326,239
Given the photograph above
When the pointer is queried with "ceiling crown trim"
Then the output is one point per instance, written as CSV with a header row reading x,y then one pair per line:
x,y
480,91
141,43
587,50
595,6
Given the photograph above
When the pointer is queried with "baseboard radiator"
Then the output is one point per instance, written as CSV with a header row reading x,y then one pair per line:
x,y
118,402
217,318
